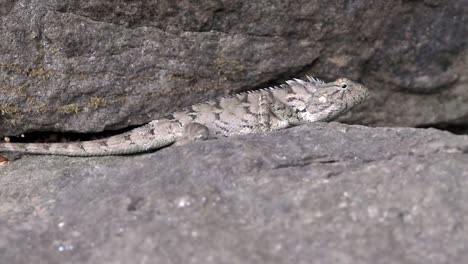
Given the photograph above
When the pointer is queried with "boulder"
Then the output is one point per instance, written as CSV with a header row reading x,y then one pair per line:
x,y
90,66
321,193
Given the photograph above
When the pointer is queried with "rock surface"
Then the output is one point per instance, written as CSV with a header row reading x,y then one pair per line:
x,y
93,65
322,193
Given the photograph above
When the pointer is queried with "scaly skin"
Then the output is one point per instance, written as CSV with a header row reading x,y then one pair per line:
x,y
269,109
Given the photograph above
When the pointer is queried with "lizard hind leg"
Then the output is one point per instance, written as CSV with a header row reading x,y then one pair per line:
x,y
193,132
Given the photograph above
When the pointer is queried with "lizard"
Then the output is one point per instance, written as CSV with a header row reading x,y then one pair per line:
x,y
292,103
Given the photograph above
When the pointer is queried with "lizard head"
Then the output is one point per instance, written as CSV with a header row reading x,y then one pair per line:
x,y
344,90
326,101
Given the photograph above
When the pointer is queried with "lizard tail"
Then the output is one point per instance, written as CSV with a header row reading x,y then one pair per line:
x,y
154,135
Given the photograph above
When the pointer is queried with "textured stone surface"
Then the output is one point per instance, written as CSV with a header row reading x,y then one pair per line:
x,y
89,66
323,193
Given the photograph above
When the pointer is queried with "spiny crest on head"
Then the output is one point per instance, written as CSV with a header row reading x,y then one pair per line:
x,y
301,83
315,80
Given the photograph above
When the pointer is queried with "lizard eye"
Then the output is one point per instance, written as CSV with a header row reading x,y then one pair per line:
x,y
344,86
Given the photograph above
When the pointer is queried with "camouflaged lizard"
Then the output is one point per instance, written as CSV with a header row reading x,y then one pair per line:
x,y
269,109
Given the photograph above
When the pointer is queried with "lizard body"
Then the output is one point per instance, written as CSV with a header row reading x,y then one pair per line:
x,y
264,110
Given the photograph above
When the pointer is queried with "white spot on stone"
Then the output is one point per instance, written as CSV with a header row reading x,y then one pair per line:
x,y
194,233
322,99
61,224
65,248
372,211
183,201
278,247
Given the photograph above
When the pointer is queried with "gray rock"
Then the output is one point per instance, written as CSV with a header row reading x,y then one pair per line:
x,y
89,66
322,193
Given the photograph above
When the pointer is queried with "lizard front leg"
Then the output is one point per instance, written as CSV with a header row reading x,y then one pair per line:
x,y
283,112
322,112
274,114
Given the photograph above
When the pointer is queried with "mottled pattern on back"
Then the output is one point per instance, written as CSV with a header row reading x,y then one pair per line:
x,y
233,115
